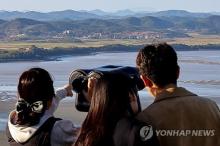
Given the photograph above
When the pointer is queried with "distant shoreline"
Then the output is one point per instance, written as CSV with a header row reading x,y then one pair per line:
x,y
41,54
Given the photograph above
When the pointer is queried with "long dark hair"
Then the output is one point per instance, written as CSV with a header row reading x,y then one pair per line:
x,y
109,103
34,85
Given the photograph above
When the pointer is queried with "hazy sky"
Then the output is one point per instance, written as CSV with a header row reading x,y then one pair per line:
x,y
111,5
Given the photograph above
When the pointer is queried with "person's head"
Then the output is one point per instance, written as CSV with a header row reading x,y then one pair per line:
x,y
158,63
110,102
35,93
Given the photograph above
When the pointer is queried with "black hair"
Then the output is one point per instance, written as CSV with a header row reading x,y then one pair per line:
x,y
159,63
34,85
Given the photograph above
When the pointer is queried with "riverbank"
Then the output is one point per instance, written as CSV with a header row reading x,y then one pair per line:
x,y
34,53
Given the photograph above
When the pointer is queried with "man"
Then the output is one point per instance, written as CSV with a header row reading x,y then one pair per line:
x,y
180,117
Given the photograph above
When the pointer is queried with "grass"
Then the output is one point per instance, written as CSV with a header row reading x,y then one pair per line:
x,y
83,44
194,40
197,39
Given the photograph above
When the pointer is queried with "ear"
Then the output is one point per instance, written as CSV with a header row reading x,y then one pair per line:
x,y
147,82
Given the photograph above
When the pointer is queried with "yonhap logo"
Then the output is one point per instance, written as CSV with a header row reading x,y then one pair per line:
x,y
146,132
196,132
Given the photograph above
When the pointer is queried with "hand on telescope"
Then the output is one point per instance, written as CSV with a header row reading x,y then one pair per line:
x,y
68,89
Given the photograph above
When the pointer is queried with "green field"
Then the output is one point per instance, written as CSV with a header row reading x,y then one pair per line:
x,y
197,40
194,40
83,44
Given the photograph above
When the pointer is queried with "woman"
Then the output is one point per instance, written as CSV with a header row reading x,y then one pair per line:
x,y
111,101
32,122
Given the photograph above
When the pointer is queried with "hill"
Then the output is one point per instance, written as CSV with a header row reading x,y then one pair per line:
x,y
50,16
179,13
22,28
94,14
125,28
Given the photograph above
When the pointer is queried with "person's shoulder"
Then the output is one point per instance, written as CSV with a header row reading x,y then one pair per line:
x,y
64,126
146,113
208,101
64,132
205,99
131,131
145,134
131,122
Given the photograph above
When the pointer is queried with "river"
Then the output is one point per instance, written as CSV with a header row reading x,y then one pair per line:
x,y
200,71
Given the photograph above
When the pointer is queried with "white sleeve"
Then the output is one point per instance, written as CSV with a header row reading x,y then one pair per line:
x,y
59,95
63,133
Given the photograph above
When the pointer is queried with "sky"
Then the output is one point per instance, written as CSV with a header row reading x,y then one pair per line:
x,y
111,5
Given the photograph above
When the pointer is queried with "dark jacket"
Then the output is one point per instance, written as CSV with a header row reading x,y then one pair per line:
x,y
131,132
182,118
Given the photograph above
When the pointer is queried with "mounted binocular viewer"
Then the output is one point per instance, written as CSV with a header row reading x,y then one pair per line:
x,y
79,80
